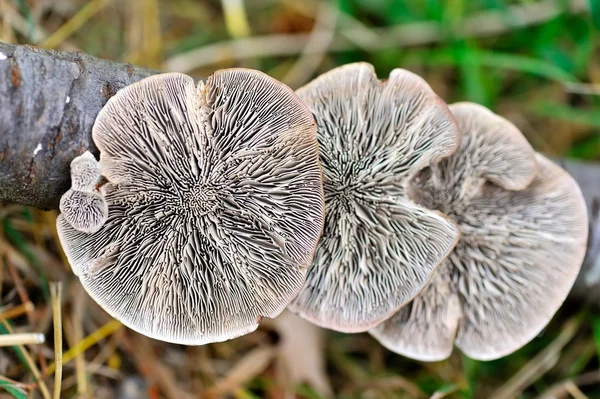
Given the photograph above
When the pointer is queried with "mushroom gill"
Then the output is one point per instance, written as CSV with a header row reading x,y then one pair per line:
x,y
523,225
215,205
378,248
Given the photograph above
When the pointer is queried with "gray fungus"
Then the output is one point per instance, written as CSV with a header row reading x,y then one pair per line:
x,y
524,229
82,206
379,248
359,204
85,211
215,205
85,172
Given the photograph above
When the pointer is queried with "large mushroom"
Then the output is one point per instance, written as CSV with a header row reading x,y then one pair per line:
x,y
215,205
378,248
523,229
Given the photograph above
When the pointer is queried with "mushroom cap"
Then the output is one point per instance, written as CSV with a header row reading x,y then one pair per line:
x,y
215,205
519,253
84,211
85,172
378,248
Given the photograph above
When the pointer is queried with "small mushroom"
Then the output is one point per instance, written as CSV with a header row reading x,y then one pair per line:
x,y
84,211
215,205
378,248
523,228
82,206
85,172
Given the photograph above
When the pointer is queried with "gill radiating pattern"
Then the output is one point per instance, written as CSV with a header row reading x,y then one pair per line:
x,y
378,248
85,211
82,205
85,172
215,205
522,244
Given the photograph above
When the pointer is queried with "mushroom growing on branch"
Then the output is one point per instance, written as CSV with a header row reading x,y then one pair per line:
x,y
82,206
215,205
524,229
378,248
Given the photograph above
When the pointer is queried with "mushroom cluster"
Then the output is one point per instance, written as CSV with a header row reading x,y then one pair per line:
x,y
359,204
404,177
215,205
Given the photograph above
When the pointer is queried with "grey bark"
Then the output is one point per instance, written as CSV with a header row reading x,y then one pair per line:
x,y
49,101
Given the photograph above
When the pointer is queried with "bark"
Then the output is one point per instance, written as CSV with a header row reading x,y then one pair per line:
x,y
49,101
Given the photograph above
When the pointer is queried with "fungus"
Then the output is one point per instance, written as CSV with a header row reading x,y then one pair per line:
x,y
523,239
83,207
85,172
215,205
85,211
378,248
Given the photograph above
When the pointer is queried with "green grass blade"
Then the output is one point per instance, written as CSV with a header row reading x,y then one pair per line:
x,y
595,11
596,333
510,62
564,112
467,57
15,391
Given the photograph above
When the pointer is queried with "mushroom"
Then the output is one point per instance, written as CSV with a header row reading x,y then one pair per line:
x,y
378,248
85,172
215,205
85,211
82,206
524,229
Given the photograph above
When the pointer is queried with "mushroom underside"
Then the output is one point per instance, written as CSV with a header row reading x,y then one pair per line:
x,y
215,206
519,255
378,249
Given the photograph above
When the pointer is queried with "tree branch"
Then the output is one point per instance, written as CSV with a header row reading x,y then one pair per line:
x,y
49,101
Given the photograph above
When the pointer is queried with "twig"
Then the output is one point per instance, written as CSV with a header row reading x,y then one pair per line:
x,y
88,342
37,151
19,285
561,389
443,393
31,364
574,390
21,339
18,310
583,88
56,294
17,383
96,369
107,350
143,356
79,298
144,32
248,367
236,19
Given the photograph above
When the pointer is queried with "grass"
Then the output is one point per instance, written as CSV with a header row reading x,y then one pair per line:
x,y
540,69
